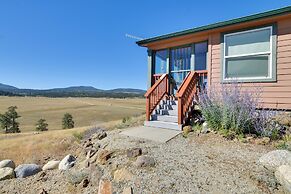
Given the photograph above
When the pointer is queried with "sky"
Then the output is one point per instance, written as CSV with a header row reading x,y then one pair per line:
x,y
60,43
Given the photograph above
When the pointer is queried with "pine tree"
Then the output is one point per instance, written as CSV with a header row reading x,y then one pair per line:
x,y
5,122
68,121
41,125
8,120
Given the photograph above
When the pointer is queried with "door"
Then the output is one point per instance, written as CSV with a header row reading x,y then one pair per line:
x,y
180,66
186,59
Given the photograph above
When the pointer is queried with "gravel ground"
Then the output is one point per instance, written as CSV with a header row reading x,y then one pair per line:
x,y
198,164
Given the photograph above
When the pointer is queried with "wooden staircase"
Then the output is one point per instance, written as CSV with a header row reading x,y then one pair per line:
x,y
172,112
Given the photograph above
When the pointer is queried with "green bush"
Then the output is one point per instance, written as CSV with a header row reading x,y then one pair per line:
x,y
41,125
68,122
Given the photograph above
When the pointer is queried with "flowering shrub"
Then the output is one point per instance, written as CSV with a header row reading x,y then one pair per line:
x,y
235,110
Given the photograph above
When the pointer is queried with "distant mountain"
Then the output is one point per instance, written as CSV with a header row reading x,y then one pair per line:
x,y
127,90
74,91
5,87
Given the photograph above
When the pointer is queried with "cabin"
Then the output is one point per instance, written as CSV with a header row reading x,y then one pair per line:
x,y
253,50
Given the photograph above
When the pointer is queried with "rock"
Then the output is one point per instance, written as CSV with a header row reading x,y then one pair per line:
x,y
25,170
186,130
42,176
283,175
42,191
76,176
127,190
122,175
274,159
262,141
85,163
6,173
103,156
53,164
91,152
101,134
85,183
204,129
105,187
7,163
134,152
144,161
67,163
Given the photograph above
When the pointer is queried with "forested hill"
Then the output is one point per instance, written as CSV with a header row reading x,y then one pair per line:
x,y
74,91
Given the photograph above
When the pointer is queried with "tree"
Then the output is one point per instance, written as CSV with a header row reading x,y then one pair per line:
x,y
5,122
68,122
41,125
8,120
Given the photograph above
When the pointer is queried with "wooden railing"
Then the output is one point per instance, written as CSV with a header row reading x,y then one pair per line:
x,y
155,94
188,91
156,77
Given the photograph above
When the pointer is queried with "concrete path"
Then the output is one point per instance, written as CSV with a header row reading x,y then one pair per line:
x,y
151,133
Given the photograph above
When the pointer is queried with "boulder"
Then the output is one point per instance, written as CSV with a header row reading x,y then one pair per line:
x,y
6,173
7,163
105,187
103,156
144,161
283,175
25,170
122,175
204,129
275,158
53,164
67,163
127,190
134,152
77,176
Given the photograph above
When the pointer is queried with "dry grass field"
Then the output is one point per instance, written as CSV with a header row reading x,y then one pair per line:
x,y
31,147
86,111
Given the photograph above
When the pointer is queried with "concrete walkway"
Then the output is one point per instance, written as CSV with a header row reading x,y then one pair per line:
x,y
151,133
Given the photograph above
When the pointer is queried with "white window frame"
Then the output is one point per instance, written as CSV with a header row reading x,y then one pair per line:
x,y
268,53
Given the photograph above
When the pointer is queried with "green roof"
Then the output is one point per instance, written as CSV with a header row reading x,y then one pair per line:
x,y
249,18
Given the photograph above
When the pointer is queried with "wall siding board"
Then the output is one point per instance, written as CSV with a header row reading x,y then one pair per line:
x,y
274,94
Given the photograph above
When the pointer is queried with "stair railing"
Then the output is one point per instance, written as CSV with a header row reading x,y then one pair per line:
x,y
155,94
187,92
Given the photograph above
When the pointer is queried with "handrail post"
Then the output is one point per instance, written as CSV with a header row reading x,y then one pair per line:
x,y
180,111
148,109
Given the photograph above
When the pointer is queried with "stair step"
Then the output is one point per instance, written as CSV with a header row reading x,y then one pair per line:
x,y
167,118
168,107
162,124
168,102
166,112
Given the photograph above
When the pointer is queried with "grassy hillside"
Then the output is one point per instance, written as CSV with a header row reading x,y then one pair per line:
x,y
86,111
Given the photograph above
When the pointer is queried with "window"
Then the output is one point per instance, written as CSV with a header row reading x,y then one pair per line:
x,y
160,65
247,55
200,51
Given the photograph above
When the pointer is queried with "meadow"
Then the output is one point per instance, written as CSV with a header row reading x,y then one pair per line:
x,y
31,147
85,111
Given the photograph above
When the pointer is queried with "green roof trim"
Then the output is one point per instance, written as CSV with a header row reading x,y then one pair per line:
x,y
249,18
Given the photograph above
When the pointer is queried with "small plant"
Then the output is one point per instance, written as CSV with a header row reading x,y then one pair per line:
x,y
78,135
125,119
8,120
41,125
68,122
